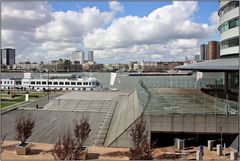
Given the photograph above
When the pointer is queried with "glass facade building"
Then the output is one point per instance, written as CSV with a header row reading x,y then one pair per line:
x,y
229,28
8,56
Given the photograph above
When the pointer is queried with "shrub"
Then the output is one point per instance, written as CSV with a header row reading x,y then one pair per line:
x,y
1,142
82,130
24,127
138,133
66,149
141,149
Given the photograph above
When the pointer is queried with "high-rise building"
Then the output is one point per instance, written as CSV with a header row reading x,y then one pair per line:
x,y
78,56
90,56
210,51
204,51
8,56
229,28
213,50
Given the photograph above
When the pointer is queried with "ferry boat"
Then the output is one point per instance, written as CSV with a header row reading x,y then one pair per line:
x,y
47,82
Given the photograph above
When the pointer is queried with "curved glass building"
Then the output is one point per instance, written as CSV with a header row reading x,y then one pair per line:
x,y
229,28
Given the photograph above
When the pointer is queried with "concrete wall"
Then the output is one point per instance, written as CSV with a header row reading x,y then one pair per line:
x,y
193,124
182,123
129,112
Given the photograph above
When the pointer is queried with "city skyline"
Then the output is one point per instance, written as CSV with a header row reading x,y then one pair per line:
x,y
116,32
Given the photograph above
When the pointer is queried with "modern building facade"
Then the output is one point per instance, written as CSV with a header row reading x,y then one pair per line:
x,y
229,28
213,50
8,56
90,56
229,48
78,56
210,51
204,51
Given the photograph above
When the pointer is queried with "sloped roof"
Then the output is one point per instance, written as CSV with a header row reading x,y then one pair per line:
x,y
226,64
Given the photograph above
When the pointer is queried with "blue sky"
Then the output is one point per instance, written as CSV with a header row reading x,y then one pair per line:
x,y
138,8
115,31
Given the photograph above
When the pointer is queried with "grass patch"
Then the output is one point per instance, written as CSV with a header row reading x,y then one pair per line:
x,y
6,104
17,97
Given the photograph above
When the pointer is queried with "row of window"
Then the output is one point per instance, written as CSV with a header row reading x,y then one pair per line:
x,y
37,88
230,43
228,7
6,82
61,83
229,24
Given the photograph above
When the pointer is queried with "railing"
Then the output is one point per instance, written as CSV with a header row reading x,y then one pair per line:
x,y
182,82
143,94
196,105
199,104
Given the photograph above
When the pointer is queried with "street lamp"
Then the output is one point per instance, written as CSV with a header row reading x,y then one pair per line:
x,y
46,57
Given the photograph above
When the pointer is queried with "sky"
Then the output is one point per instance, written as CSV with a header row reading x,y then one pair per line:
x,y
117,32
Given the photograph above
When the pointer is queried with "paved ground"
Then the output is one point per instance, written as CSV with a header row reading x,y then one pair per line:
x,y
41,102
91,95
51,124
41,151
57,117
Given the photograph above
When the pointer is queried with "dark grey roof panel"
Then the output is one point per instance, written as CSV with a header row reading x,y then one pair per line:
x,y
227,64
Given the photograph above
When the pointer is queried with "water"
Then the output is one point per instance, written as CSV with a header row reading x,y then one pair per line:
x,y
122,81
125,82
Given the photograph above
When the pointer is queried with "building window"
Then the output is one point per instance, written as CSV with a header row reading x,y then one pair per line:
x,y
85,83
49,83
61,83
79,83
67,83
38,82
44,82
228,7
55,83
73,83
229,24
230,43
32,82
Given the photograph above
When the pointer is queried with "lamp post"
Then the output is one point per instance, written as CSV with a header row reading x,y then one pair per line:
x,y
47,76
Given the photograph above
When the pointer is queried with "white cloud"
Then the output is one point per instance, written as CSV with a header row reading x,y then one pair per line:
x,y
116,6
33,28
25,16
160,26
72,25
169,32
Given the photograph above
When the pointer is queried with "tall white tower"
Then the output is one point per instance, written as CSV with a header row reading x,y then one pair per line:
x,y
78,56
229,28
90,56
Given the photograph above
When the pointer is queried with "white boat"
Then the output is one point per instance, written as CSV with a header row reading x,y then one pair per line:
x,y
47,82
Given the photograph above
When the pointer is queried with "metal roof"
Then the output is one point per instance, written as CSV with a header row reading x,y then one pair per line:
x,y
226,64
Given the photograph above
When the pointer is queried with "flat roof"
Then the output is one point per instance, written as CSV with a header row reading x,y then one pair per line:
x,y
226,64
165,101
